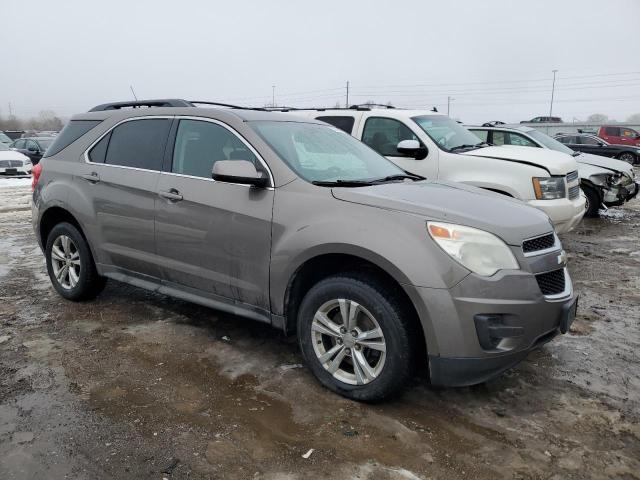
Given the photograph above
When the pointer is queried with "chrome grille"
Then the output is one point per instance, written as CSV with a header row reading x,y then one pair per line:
x,y
574,192
539,243
10,163
572,176
551,283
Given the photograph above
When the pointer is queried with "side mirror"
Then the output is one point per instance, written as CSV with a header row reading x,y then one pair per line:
x,y
412,148
32,150
238,171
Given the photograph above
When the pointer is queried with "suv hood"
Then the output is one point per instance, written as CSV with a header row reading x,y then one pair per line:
x,y
556,163
12,155
605,162
510,219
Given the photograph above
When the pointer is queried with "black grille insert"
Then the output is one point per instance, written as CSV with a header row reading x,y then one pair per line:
x,y
538,243
551,283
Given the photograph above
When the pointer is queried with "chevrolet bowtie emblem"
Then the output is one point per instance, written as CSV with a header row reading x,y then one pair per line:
x,y
562,258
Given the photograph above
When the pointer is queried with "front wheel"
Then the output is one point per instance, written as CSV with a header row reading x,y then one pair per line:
x,y
356,337
592,205
628,157
70,264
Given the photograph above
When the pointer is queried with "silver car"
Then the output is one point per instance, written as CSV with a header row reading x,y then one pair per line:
x,y
292,222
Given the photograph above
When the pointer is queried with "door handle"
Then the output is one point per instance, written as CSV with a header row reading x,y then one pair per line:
x,y
92,177
172,195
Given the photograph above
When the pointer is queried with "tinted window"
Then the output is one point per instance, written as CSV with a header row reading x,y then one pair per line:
x,y
139,143
200,144
70,133
568,139
588,141
343,123
384,134
99,151
615,131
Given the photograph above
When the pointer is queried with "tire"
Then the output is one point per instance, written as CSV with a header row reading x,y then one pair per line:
x,y
628,157
375,304
66,247
592,206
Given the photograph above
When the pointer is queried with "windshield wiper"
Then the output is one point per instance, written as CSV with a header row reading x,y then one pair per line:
x,y
400,176
466,145
342,183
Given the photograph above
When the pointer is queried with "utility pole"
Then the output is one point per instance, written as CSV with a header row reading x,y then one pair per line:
x,y
10,110
347,104
449,99
553,88
273,95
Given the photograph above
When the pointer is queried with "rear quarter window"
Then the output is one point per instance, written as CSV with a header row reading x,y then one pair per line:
x,y
343,123
69,134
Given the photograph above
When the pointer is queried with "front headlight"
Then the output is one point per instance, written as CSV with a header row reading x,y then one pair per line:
x,y
479,251
548,188
615,179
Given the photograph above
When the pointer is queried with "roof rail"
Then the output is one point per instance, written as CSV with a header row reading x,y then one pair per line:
x,y
174,102
218,104
362,107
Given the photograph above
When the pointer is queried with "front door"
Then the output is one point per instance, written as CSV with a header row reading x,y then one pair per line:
x,y
213,236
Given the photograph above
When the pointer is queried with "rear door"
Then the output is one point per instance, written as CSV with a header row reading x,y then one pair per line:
x,y
214,237
120,178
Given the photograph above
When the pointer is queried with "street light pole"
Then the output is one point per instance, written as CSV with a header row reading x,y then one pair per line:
x,y
553,88
273,95
449,104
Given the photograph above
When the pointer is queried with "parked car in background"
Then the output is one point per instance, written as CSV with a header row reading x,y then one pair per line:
x,y
289,221
5,139
603,180
617,135
32,147
597,146
434,146
543,120
13,162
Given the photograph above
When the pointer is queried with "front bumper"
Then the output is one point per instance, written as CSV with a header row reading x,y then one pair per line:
x,y
563,212
615,196
525,319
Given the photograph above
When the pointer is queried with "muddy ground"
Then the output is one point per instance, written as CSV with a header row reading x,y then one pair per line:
x,y
138,385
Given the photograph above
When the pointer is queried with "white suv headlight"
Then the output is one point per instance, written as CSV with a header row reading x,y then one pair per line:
x,y
549,188
479,251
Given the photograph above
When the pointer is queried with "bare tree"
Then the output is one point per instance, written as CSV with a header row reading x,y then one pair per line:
x,y
597,118
635,118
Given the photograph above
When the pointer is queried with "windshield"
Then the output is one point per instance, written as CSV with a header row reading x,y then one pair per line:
x,y
447,133
550,143
321,153
4,147
4,138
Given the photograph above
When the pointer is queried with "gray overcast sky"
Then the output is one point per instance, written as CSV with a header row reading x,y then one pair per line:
x,y
493,57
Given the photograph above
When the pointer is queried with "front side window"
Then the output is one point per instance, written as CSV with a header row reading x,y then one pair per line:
x,y
43,145
446,133
344,123
384,134
320,153
138,143
201,144
568,140
19,144
520,140
589,141
627,132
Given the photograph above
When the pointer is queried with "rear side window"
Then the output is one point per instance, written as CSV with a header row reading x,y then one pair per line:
x,y
343,123
138,143
614,131
69,134
588,141
481,134
568,139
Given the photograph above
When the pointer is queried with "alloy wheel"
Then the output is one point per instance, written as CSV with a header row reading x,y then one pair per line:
x,y
628,157
65,260
348,342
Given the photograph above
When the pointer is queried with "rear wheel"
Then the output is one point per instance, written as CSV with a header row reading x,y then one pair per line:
x,y
628,157
356,337
592,205
70,264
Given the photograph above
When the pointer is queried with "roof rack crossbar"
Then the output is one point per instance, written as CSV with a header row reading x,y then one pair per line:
x,y
172,102
203,102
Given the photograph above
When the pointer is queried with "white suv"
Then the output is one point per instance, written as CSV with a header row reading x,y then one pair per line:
x,y
433,145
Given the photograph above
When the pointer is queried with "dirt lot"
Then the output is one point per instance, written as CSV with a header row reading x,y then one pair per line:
x,y
137,385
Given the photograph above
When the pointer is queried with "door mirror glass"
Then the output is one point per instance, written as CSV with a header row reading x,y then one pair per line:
x,y
412,148
238,171
32,149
